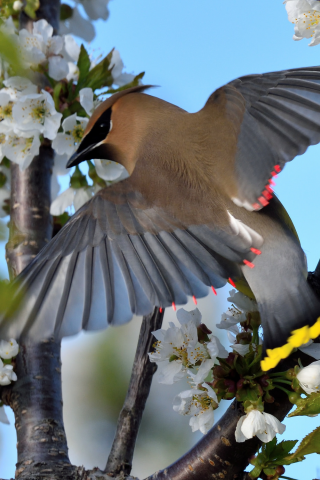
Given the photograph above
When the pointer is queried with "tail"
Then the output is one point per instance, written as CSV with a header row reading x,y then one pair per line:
x,y
279,282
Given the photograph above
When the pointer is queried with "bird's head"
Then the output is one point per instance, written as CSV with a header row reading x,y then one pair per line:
x,y
96,143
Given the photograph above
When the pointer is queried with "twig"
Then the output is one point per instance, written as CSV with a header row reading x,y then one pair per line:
x,y
120,458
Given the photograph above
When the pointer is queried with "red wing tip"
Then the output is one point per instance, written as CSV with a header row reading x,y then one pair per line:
x,y
249,264
194,300
263,201
270,190
231,282
277,168
174,306
274,174
256,206
160,309
256,251
266,194
214,290
271,182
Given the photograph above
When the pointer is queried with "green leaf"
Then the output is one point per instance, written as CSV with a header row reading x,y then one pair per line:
x,y
307,406
100,76
282,449
310,444
84,67
133,83
31,8
9,52
66,12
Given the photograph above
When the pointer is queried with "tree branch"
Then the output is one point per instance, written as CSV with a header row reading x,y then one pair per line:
x,y
120,458
36,397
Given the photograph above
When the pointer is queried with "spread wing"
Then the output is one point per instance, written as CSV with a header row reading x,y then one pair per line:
x,y
278,116
119,256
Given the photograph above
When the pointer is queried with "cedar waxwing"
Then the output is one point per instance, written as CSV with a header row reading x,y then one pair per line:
x,y
197,210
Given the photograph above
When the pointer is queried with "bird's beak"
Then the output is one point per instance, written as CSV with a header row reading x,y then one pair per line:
x,y
79,157
95,150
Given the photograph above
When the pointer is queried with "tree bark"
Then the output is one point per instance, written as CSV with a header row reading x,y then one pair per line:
x,y
121,455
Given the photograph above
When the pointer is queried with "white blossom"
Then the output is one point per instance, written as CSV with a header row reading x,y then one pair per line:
x,y
9,349
79,26
3,416
73,128
216,349
37,112
20,149
120,78
196,378
177,348
110,171
199,404
96,9
86,100
82,196
18,86
58,68
7,374
72,196
309,377
305,15
62,202
261,424
242,302
17,5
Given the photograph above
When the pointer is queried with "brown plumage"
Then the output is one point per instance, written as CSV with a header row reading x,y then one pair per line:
x,y
189,215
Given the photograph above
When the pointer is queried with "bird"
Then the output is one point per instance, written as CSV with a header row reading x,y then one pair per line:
x,y
196,211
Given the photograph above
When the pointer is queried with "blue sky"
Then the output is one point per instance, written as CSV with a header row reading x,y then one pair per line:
x,y
191,48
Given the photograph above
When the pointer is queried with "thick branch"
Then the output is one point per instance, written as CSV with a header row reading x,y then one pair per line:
x,y
30,222
120,458
36,397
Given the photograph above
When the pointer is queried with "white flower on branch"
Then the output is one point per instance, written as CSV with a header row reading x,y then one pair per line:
x,y
177,348
18,86
72,196
17,5
73,128
216,349
309,378
79,26
305,15
7,374
199,404
237,313
96,9
37,112
110,171
120,78
86,100
9,349
260,424
22,149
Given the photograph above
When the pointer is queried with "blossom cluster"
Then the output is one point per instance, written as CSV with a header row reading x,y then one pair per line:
x,y
305,15
8,351
190,351
57,112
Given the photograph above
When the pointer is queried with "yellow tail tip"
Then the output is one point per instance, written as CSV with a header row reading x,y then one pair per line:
x,y
298,337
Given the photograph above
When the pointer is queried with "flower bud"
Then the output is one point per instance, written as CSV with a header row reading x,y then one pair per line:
x,y
309,377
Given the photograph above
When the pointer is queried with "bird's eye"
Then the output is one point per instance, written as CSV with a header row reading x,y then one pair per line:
x,y
103,125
